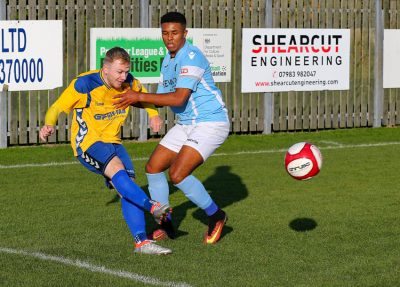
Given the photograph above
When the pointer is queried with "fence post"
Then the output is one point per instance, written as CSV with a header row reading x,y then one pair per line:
x,y
3,116
4,93
268,100
3,11
378,66
144,23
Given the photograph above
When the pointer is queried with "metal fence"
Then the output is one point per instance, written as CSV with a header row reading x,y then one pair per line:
x,y
249,113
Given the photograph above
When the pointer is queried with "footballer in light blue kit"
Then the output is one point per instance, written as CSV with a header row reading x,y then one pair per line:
x,y
187,86
190,69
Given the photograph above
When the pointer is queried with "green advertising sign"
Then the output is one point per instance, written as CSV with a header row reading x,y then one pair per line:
x,y
146,54
147,50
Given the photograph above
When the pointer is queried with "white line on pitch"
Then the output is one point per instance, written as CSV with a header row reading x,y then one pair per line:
x,y
216,154
331,143
322,148
95,268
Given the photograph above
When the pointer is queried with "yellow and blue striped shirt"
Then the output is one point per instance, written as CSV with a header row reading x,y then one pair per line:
x,y
94,116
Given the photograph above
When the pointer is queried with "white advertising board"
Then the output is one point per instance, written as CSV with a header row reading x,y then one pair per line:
x,y
31,55
278,60
391,58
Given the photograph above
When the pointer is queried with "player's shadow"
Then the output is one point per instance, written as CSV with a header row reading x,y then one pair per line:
x,y
115,199
224,187
303,224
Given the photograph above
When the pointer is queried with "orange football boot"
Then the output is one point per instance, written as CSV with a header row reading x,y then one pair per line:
x,y
214,232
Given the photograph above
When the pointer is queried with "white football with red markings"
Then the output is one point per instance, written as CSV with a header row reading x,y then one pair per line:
x,y
303,161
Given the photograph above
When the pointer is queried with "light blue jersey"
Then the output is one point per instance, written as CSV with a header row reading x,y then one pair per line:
x,y
190,69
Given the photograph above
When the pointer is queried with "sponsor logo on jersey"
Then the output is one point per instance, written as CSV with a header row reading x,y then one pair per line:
x,y
109,115
169,83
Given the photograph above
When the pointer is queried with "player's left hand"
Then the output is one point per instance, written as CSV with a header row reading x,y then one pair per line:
x,y
124,100
155,124
46,131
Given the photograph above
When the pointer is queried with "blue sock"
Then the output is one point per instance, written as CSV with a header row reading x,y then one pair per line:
x,y
195,191
211,209
134,218
130,190
158,187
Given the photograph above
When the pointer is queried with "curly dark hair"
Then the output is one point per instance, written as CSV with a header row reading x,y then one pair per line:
x,y
174,17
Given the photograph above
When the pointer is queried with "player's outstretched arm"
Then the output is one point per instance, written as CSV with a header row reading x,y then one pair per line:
x,y
173,99
50,122
65,103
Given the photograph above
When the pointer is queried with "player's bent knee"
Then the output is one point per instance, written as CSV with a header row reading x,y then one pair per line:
x,y
113,166
176,177
150,168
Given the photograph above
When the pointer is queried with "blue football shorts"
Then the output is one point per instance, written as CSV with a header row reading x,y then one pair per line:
x,y
99,154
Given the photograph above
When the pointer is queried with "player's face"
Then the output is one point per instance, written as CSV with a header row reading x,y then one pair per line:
x,y
174,36
115,73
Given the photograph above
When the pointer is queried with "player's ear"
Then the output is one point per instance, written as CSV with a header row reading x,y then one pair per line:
x,y
105,69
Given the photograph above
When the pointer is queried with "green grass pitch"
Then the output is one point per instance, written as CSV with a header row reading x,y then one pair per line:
x,y
60,226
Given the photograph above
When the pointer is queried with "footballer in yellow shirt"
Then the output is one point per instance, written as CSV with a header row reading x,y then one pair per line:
x,y
94,116
95,139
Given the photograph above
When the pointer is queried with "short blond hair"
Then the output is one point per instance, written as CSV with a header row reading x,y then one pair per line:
x,y
116,53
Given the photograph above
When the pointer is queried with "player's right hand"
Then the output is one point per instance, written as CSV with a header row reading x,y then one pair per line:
x,y
46,131
124,100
